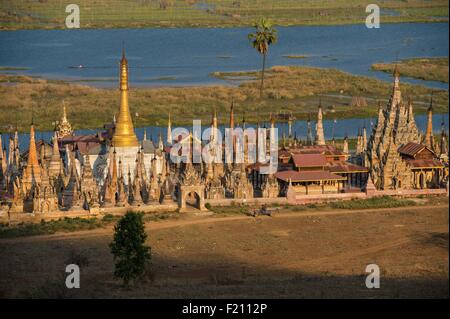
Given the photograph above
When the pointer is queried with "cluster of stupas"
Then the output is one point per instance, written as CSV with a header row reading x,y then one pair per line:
x,y
115,169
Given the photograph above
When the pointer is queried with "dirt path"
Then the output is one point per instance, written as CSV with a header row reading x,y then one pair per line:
x,y
209,220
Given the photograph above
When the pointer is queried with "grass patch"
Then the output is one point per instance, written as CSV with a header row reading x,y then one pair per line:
x,y
155,217
50,14
375,202
295,56
293,89
65,224
429,69
230,210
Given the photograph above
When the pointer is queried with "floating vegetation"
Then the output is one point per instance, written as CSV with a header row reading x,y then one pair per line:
x,y
224,56
295,56
13,68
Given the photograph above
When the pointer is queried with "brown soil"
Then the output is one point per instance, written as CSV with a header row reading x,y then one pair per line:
x,y
296,255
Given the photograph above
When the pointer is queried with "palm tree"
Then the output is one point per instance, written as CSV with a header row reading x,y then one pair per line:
x,y
264,36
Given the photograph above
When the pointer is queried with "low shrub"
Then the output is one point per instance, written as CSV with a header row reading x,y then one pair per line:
x,y
375,202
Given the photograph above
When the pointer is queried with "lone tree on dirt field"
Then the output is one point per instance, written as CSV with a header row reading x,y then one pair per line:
x,y
131,256
265,35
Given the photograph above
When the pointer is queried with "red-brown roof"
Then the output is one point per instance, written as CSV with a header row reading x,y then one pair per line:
x,y
425,163
327,150
346,168
309,160
307,176
411,149
90,138
83,143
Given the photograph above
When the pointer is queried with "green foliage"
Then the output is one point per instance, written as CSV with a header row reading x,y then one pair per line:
x,y
110,218
131,256
208,206
429,69
50,227
375,202
26,14
264,36
231,210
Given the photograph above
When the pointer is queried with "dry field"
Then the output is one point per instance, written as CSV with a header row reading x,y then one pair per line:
x,y
319,254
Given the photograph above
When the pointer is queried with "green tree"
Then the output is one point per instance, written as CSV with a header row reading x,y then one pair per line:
x,y
131,256
265,35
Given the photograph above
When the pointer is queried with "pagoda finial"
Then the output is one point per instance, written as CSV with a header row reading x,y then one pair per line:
x,y
429,139
396,73
430,108
124,135
232,114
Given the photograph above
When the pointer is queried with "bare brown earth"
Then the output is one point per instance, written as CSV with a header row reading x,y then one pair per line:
x,y
290,255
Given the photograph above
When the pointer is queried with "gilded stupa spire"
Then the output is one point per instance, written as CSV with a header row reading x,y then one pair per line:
x,y
124,135
64,128
232,115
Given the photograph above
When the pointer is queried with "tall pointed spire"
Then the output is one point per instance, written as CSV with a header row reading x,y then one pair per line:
x,y
124,135
214,126
345,147
320,138
396,94
429,138
290,119
364,139
443,148
232,115
160,141
33,170
309,136
55,161
64,128
169,131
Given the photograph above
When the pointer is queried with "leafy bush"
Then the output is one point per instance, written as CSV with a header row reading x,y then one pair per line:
x,y
375,202
131,256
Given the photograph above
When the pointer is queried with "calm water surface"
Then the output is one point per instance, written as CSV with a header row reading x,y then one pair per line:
x,y
187,56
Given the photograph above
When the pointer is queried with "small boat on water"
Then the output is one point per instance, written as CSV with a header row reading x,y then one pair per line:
x,y
81,66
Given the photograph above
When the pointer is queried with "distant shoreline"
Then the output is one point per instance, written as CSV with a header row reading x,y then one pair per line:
x,y
206,26
29,14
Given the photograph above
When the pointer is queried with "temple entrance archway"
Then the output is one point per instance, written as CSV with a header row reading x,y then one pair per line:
x,y
193,200
192,197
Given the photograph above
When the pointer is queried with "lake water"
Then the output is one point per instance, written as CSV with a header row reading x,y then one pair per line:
x,y
339,129
187,56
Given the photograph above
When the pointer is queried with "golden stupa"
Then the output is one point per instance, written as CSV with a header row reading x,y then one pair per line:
x,y
124,135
